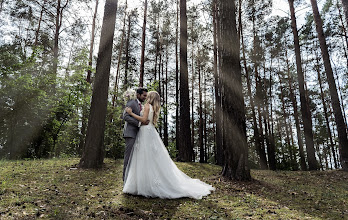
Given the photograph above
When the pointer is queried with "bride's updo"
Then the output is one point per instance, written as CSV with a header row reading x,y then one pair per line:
x,y
154,99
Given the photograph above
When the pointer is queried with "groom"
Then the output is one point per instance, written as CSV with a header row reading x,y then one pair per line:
x,y
132,125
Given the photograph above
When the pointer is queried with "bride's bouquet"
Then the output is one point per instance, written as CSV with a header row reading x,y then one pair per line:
x,y
130,94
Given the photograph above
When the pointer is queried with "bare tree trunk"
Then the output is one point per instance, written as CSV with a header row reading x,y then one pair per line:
x,y
166,103
344,36
89,73
306,114
268,130
127,53
93,155
114,98
284,115
177,125
157,49
332,145
235,140
185,150
192,111
142,61
297,121
256,130
345,8
341,127
192,93
218,136
206,151
200,131
40,20
88,79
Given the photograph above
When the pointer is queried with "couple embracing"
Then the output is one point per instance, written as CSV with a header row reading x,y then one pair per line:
x,y
148,169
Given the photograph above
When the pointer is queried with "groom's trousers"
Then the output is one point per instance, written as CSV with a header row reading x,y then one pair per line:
x,y
129,146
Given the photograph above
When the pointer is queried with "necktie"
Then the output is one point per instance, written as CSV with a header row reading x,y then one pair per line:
x,y
140,106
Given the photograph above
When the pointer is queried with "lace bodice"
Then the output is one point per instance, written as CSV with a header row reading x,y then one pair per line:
x,y
151,112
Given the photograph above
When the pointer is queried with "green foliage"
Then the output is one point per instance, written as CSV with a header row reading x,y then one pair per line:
x,y
114,142
33,118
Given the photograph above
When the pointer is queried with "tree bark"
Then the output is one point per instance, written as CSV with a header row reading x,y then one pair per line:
x,y
235,140
166,102
114,98
185,150
297,120
40,20
200,130
93,155
345,8
341,127
252,105
206,149
306,114
90,59
127,53
218,136
332,145
177,125
259,138
142,61
192,110
88,79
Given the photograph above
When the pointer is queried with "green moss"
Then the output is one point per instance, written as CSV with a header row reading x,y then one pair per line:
x,y
56,189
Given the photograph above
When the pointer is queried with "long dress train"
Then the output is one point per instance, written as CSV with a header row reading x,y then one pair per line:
x,y
152,173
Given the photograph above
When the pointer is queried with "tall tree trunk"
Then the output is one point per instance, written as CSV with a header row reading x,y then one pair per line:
x,y
256,130
297,120
344,36
306,114
185,150
127,53
40,20
235,140
218,136
90,59
332,145
157,47
166,102
192,93
93,155
119,56
200,131
206,151
159,89
177,125
88,79
56,39
267,121
284,115
142,61
259,139
341,127
345,8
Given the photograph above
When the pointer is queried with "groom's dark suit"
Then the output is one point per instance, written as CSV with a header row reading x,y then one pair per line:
x,y
130,131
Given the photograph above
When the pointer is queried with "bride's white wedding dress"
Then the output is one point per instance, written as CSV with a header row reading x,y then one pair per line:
x,y
152,173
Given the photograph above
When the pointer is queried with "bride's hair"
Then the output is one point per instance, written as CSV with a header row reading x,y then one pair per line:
x,y
154,99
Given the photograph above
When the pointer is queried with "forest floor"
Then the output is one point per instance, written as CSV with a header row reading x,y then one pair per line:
x,y
55,189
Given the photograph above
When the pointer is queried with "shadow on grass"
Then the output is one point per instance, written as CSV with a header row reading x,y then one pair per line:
x,y
320,194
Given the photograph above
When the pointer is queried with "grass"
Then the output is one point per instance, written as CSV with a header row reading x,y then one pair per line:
x,y
55,189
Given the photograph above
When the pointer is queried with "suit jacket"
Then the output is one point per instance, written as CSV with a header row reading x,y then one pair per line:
x,y
131,126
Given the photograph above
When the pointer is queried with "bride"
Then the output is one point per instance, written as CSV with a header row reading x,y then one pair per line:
x,y
150,171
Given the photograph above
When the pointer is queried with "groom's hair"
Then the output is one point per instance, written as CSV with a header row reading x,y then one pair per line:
x,y
141,90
